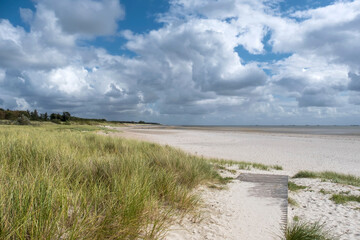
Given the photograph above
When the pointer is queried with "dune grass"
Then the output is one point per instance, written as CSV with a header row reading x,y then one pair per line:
x,y
66,182
343,198
244,165
293,202
299,230
330,176
294,187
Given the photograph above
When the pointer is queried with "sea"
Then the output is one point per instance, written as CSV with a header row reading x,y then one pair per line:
x,y
353,130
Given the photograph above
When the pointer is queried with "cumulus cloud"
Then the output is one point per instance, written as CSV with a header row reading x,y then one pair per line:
x,y
188,70
196,58
69,80
89,17
330,31
311,80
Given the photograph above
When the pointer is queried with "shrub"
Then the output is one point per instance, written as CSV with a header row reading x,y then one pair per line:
x,y
23,120
57,121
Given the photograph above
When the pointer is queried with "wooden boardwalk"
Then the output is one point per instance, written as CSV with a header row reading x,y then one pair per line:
x,y
271,186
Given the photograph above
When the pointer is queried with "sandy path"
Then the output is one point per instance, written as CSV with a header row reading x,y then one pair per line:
x,y
232,214
292,151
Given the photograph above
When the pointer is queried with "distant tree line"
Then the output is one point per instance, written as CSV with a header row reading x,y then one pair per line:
x,y
34,115
54,117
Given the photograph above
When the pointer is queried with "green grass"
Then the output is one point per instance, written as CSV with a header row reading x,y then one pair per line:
x,y
307,231
331,176
323,191
293,202
66,182
244,165
294,187
342,198
276,167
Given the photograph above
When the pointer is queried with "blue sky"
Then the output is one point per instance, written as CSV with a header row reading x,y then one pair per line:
x,y
183,61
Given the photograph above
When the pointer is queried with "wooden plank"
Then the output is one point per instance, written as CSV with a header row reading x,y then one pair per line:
x,y
268,185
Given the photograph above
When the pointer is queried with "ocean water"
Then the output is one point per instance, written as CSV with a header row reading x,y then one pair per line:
x,y
316,130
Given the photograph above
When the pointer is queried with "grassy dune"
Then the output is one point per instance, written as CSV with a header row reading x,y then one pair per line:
x,y
66,182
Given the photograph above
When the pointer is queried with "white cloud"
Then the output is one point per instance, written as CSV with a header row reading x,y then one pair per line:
x,y
89,17
22,104
69,80
201,51
187,70
331,31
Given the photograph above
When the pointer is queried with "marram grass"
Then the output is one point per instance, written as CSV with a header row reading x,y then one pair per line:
x,y
63,183
344,198
294,187
299,230
331,176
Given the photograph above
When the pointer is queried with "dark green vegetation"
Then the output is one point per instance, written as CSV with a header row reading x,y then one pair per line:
x,y
331,176
66,182
13,115
294,187
307,231
343,198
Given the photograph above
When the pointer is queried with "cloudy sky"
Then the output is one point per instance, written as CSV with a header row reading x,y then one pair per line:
x,y
184,61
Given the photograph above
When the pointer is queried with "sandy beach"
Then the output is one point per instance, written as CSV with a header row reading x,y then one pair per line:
x,y
230,214
293,151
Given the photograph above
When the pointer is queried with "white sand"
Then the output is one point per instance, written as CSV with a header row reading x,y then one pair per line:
x,y
234,213
231,214
292,151
343,220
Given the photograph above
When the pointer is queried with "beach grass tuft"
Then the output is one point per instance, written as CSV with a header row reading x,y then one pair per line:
x,y
244,165
277,167
66,182
294,187
323,191
292,202
299,230
343,198
330,176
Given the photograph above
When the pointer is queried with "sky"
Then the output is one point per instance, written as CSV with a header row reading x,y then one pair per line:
x,y
184,62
